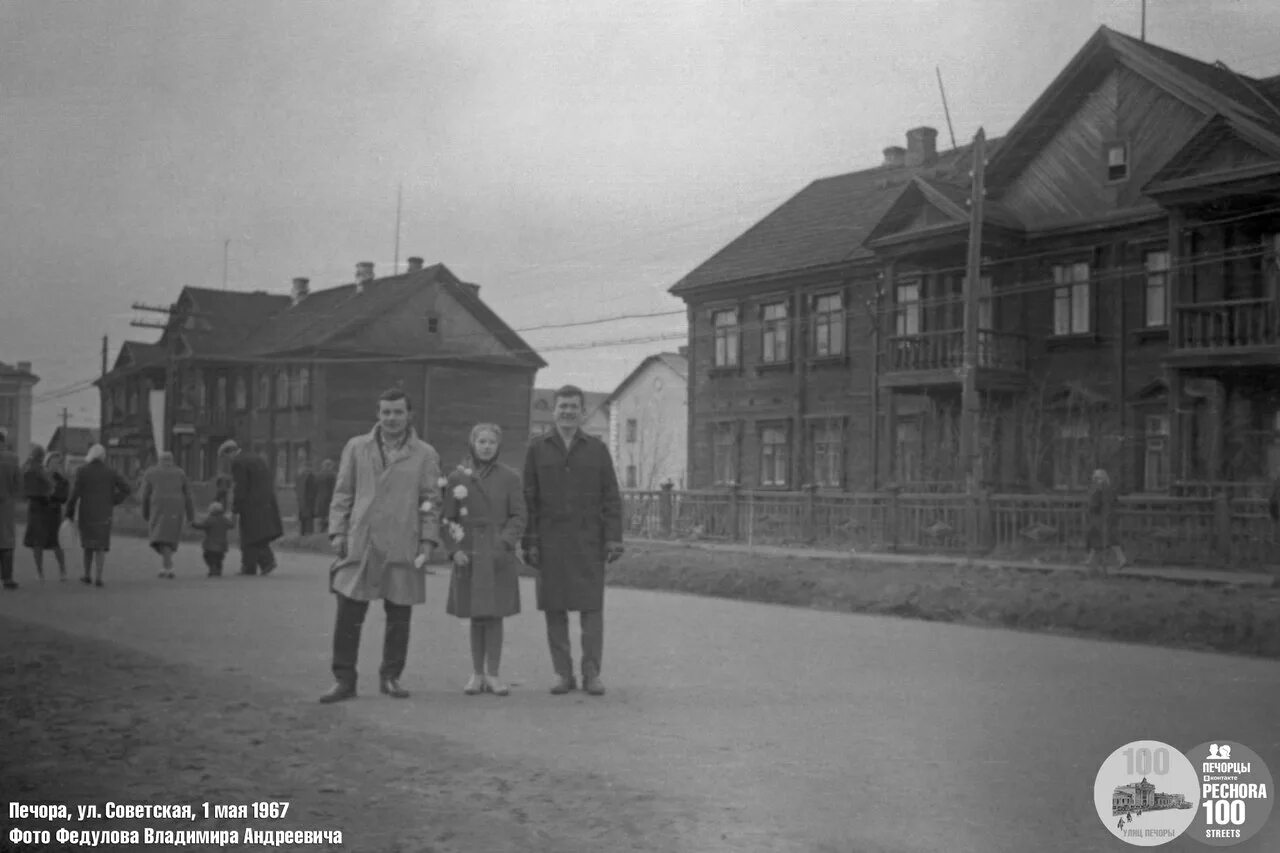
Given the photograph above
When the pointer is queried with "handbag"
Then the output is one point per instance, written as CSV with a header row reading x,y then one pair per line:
x,y
68,535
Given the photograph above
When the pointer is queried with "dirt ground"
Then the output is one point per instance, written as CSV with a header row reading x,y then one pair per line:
x,y
90,723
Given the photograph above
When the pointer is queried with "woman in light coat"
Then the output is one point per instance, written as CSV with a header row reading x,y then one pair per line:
x,y
1100,532
485,514
166,504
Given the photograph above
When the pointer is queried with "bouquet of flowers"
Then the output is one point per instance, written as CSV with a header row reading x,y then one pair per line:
x,y
455,506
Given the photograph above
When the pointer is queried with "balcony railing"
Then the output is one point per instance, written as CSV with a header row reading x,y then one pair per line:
x,y
945,351
1230,325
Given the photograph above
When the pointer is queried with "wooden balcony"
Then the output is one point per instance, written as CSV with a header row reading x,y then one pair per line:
x,y
1232,332
936,358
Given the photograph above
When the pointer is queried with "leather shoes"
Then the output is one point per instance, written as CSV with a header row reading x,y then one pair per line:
x,y
392,688
339,692
564,685
593,685
475,686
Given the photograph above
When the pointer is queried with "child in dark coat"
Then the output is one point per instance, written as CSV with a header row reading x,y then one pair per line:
x,y
215,526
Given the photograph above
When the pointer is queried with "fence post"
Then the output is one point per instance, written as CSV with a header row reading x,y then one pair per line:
x,y
891,510
984,535
735,514
665,506
810,513
1222,524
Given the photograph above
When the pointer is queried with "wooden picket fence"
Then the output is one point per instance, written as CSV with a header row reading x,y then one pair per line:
x,y
1222,528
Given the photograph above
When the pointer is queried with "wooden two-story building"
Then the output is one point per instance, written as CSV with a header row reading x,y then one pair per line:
x,y
294,376
1127,306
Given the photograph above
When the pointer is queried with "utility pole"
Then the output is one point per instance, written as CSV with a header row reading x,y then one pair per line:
x,y
395,269
969,403
102,406
1144,21
171,364
226,250
63,434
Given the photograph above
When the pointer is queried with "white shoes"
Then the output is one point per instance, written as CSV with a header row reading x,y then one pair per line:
x,y
474,686
486,684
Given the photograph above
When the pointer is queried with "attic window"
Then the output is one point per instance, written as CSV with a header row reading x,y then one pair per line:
x,y
433,324
1117,161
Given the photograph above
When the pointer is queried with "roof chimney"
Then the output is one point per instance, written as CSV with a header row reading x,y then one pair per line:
x,y
24,367
415,265
300,289
922,146
895,156
364,275
683,351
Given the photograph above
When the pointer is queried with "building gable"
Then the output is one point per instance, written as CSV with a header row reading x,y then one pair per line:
x,y
1222,150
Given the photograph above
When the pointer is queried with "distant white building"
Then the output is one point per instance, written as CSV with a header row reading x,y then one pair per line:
x,y
16,383
648,423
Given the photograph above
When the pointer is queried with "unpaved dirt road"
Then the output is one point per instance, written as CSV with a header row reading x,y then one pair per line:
x,y
728,726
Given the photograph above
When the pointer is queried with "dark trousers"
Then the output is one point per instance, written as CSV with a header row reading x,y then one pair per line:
x,y
306,526
346,639
6,565
592,622
213,559
256,556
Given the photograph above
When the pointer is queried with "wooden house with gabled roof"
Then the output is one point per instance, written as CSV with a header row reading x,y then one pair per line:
x,y
1128,314
294,376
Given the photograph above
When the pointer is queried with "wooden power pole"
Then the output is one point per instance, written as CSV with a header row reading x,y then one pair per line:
x,y
969,403
171,368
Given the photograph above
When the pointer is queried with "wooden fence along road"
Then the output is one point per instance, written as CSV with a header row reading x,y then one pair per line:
x,y
1220,529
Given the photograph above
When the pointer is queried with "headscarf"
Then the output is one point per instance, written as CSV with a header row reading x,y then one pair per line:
x,y
96,453
483,465
35,458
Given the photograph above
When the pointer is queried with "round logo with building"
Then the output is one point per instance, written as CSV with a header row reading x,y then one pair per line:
x,y
1146,793
1236,791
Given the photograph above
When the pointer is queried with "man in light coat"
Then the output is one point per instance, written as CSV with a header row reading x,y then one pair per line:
x,y
575,528
383,524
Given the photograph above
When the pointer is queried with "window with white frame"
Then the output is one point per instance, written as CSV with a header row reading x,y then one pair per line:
x,y
726,331
633,427
1071,309
241,394
301,387
1157,290
724,454
282,388
907,299
827,443
907,451
1117,161
264,390
631,476
828,324
1155,457
774,327
775,456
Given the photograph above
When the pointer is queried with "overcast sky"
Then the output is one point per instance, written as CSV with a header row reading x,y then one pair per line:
x,y
573,157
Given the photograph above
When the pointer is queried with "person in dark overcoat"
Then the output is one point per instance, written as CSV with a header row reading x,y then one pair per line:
x,y
485,517
46,491
95,493
575,528
304,489
10,493
255,506
325,480
166,504
1100,529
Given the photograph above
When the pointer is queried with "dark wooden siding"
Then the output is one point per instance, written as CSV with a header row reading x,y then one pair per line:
x,y
461,397
1155,124
351,398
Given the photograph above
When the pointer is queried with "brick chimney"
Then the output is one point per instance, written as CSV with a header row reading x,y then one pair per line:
x,y
24,367
415,265
300,289
895,156
364,275
922,146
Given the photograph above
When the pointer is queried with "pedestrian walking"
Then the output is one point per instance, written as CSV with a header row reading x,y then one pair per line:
x,y
383,524
46,490
215,526
10,493
485,514
254,505
95,493
222,489
166,504
304,489
1100,530
325,479
575,528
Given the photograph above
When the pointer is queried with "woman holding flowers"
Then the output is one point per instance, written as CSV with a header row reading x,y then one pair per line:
x,y
484,518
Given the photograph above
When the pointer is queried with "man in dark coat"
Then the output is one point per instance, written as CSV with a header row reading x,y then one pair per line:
x,y
575,528
254,505
324,483
304,489
10,494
